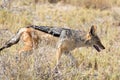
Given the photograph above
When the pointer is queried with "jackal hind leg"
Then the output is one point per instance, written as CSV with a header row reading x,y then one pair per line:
x,y
22,52
25,49
73,61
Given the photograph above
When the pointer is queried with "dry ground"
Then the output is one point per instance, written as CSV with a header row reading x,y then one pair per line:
x,y
39,64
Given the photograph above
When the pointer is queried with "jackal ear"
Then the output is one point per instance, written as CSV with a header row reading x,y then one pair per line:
x,y
93,30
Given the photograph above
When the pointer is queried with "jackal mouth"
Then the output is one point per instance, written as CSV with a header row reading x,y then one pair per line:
x,y
98,48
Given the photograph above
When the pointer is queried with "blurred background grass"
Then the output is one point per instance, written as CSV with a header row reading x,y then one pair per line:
x,y
76,14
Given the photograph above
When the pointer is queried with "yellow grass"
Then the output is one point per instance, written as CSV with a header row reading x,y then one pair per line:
x,y
39,65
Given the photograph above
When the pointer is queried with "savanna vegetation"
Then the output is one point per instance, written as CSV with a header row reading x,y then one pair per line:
x,y
75,14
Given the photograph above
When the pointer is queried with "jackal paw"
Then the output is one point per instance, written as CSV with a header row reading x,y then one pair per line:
x,y
56,70
17,58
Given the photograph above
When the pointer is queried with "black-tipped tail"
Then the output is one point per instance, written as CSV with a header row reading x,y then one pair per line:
x,y
14,40
10,43
2,48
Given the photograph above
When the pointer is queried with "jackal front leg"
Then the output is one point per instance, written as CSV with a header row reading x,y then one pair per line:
x,y
73,61
58,56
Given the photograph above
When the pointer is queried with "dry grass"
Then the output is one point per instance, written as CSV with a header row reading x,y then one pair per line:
x,y
97,4
39,64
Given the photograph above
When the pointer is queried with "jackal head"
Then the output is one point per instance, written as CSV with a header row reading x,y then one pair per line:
x,y
94,40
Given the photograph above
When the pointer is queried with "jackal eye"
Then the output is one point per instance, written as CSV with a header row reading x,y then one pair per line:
x,y
96,38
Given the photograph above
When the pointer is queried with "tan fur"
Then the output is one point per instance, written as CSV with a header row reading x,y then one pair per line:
x,y
27,39
69,42
32,37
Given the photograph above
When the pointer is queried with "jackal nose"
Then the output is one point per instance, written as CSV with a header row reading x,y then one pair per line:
x,y
103,47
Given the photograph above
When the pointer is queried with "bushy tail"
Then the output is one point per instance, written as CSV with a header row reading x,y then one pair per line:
x,y
15,39
55,31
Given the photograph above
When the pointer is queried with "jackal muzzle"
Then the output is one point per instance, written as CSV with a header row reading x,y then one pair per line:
x,y
99,47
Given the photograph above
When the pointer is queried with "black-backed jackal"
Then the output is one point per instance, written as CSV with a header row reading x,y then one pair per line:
x,y
68,39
